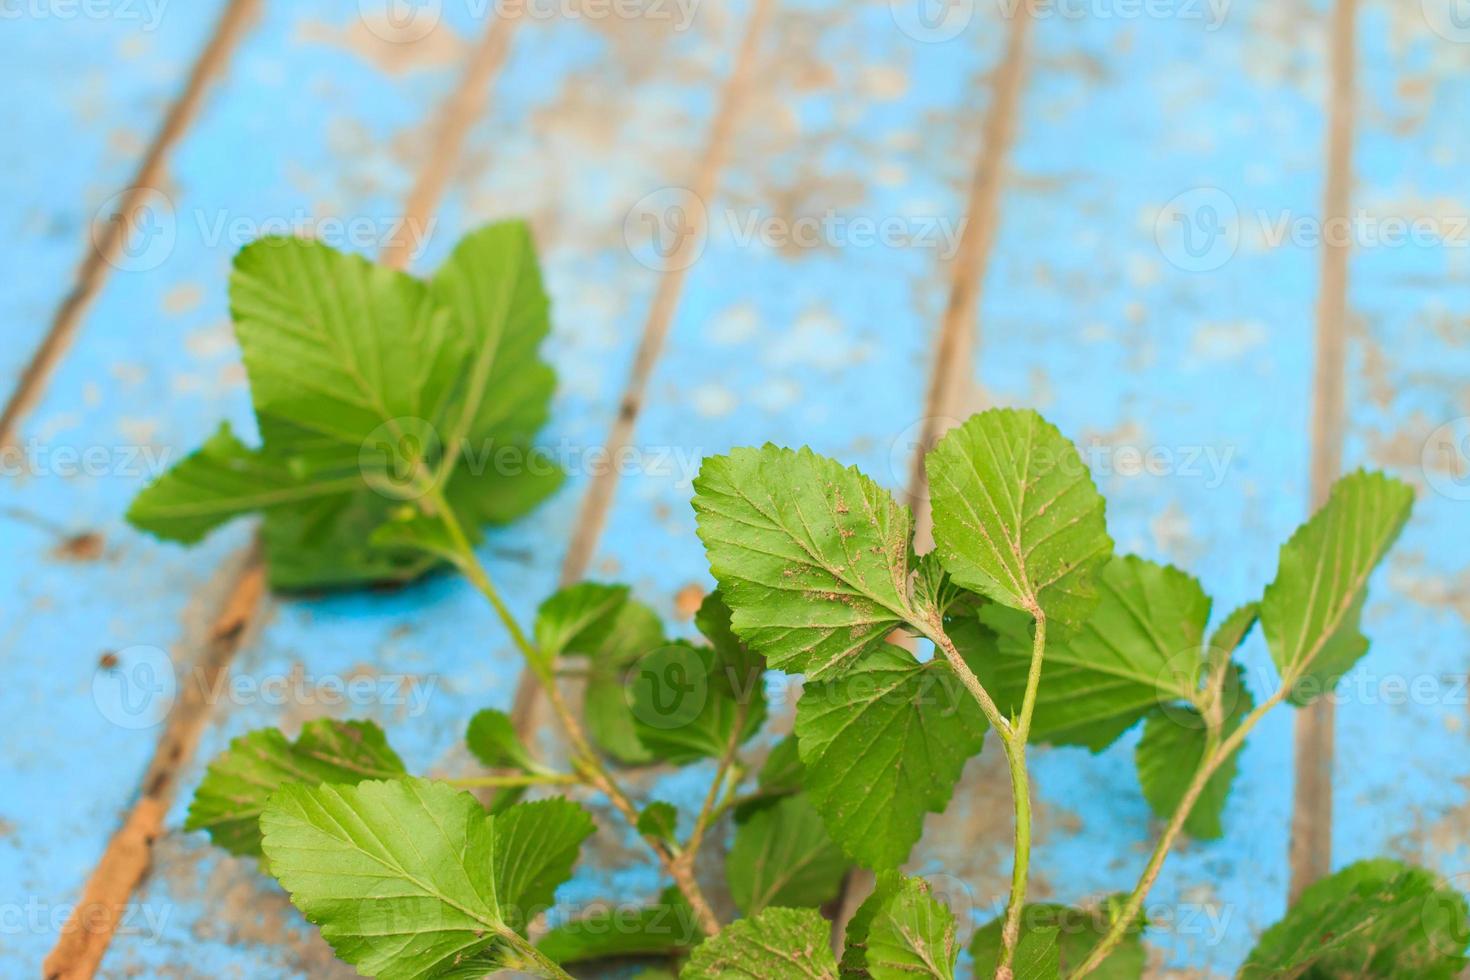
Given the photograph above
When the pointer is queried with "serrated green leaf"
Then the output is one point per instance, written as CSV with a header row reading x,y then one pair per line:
x,y
778,944
1310,612
536,845
1142,647
369,386
1170,752
338,346
612,630
882,746
491,284
1077,932
686,705
1016,515
782,856
409,878
222,480
329,544
1038,955
1378,918
1231,632
491,737
233,794
907,933
665,927
811,557
781,775
661,820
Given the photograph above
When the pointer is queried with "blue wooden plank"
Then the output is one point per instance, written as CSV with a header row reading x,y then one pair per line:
x,y
303,128
1401,775
1098,315
534,126
87,94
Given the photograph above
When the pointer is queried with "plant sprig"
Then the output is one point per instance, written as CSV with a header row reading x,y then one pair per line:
x,y
397,419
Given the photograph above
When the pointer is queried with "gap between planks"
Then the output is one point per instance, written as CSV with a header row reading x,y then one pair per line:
x,y
103,248
1310,850
592,517
126,860
952,373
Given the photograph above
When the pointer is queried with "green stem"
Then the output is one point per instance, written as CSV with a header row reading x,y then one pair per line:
x,y
533,959
1217,750
585,758
1021,796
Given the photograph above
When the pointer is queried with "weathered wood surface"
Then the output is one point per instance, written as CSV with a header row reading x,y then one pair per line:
x,y
1187,376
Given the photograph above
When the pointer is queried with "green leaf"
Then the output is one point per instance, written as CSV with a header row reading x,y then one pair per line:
x,y
661,820
1016,515
668,926
410,878
883,746
903,932
1077,931
1378,918
686,706
781,775
783,856
1231,633
584,619
1038,955
536,845
613,631
492,739
811,557
370,387
492,286
330,544
776,945
1171,750
233,794
1142,647
222,480
337,346
1310,612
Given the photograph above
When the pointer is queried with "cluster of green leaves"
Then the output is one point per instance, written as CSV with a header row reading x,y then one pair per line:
x,y
372,389
376,398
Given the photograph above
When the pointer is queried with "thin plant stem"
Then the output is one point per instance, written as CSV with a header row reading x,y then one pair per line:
x,y
586,760
707,811
1021,797
1223,749
533,959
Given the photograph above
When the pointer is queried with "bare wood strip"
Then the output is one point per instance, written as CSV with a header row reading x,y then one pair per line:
x,y
123,864
104,245
952,373
1310,853
128,855
592,517
950,379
